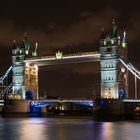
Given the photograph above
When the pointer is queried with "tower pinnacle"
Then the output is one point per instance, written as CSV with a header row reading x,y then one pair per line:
x,y
114,29
124,35
124,44
102,33
25,34
14,45
113,21
26,44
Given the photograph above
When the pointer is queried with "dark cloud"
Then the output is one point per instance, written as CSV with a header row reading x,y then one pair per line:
x,y
85,30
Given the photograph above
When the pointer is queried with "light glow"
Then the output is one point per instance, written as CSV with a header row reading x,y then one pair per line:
x,y
122,69
106,93
123,45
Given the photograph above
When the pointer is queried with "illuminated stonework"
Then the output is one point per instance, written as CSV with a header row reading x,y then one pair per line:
x,y
123,73
31,79
109,65
18,88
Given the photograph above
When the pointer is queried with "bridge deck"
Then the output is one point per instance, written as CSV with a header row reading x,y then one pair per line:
x,y
66,59
39,103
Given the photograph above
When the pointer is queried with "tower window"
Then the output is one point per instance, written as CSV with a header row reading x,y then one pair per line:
x,y
109,49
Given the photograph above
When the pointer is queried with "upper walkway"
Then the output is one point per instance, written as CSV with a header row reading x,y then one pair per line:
x,y
64,59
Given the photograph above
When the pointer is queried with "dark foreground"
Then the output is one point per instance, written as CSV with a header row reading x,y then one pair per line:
x,y
67,128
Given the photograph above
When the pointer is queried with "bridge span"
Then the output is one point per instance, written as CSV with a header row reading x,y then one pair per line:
x,y
41,103
65,59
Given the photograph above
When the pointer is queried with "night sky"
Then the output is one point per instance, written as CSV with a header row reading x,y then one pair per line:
x,y
69,26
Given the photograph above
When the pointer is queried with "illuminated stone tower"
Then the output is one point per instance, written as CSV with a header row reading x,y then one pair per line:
x,y
109,64
31,80
18,87
25,76
123,72
31,76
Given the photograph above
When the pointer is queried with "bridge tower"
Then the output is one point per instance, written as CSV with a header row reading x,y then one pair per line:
x,y
123,72
31,76
31,80
109,64
18,87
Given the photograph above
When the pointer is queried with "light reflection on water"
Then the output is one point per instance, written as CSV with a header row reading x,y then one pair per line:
x,y
67,129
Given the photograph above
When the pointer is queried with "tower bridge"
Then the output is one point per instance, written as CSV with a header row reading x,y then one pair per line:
x,y
112,56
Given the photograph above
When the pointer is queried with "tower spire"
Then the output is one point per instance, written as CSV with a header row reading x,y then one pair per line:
x,y
26,44
14,45
114,29
113,21
35,53
102,33
36,45
124,36
25,37
124,44
25,34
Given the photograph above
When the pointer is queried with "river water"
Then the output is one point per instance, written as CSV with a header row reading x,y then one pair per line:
x,y
67,129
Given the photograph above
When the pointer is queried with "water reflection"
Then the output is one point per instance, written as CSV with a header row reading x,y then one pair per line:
x,y
67,129
33,129
107,131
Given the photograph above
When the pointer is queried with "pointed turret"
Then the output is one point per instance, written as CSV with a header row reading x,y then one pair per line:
x,y
124,36
36,45
14,45
102,37
124,44
25,37
114,30
35,53
26,44
102,33
14,48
